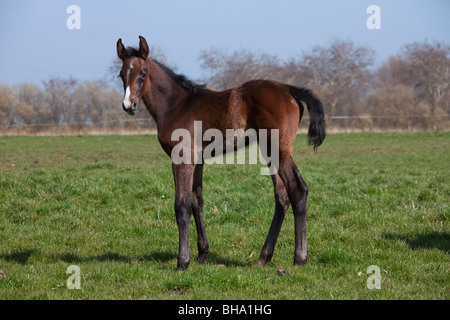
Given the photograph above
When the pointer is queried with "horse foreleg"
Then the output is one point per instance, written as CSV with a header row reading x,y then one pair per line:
x,y
183,177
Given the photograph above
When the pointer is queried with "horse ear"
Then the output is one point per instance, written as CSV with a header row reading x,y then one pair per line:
x,y
121,52
143,47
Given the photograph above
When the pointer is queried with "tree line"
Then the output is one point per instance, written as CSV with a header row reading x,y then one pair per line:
x,y
408,91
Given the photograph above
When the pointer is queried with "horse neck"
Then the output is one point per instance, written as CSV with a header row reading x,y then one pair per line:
x,y
161,94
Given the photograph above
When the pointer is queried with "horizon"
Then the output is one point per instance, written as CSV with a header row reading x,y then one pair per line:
x,y
40,45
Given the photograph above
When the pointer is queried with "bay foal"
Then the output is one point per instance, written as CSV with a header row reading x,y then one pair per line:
x,y
175,102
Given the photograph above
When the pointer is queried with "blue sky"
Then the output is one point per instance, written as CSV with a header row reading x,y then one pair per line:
x,y
36,44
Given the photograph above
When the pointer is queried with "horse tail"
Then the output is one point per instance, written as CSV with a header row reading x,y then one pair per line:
x,y
316,131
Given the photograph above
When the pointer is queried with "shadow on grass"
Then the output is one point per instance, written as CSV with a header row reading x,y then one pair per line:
x,y
216,259
157,256
111,256
115,257
437,240
18,256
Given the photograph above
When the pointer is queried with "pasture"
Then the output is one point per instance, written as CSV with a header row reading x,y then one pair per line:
x,y
105,204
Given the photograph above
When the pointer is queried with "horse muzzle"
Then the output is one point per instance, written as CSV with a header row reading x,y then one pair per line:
x,y
129,109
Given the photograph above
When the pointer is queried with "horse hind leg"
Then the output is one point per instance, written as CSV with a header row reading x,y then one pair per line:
x,y
197,208
281,206
297,191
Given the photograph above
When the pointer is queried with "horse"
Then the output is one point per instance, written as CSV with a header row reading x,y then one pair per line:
x,y
176,102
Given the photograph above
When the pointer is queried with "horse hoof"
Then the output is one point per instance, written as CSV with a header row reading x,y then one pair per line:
x,y
300,261
182,266
260,262
202,258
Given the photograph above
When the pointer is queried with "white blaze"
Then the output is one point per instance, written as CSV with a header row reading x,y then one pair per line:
x,y
126,100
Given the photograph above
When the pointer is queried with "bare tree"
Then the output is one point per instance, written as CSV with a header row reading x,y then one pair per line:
x,y
410,90
91,102
228,70
30,106
340,74
425,68
413,87
7,105
59,98
393,106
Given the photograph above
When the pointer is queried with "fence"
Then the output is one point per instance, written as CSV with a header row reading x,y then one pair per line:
x,y
355,123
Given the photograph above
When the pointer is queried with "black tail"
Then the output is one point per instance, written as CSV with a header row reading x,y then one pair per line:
x,y
316,131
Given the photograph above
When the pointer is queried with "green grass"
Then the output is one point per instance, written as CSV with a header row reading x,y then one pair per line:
x,y
105,204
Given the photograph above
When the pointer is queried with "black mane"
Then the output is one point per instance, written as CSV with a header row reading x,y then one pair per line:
x,y
180,79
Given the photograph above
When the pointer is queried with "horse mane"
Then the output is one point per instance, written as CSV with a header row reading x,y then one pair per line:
x,y
180,79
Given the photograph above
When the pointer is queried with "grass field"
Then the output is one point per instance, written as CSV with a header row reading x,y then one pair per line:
x,y
105,204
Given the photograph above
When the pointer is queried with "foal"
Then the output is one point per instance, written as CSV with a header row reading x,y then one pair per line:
x,y
175,102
